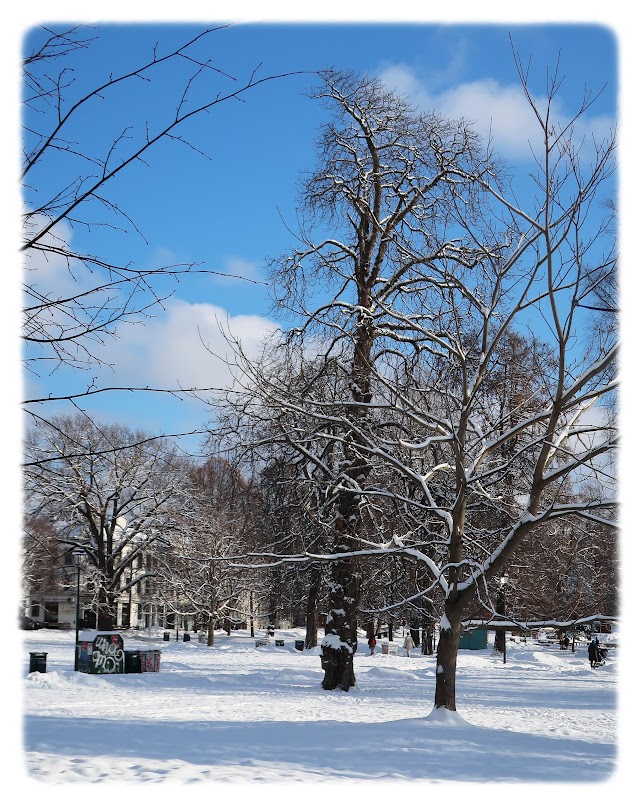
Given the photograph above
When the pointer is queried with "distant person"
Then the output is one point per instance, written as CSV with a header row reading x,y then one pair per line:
x,y
372,643
592,651
408,643
602,653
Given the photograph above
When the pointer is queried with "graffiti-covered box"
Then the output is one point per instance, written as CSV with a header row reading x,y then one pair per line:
x,y
141,660
100,652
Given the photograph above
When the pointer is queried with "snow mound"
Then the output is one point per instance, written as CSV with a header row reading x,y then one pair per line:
x,y
52,680
442,716
550,661
292,676
384,673
475,661
72,680
174,665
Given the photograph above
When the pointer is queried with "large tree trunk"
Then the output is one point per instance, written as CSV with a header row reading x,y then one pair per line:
x,y
446,656
104,618
312,611
105,610
428,645
340,642
252,615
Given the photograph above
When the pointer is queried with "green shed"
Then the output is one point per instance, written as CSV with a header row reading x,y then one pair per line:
x,y
474,639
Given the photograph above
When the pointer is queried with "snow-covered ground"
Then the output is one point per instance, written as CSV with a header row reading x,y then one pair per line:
x,y
240,714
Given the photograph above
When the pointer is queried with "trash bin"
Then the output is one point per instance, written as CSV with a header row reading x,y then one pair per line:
x,y
299,644
132,663
167,635
186,636
202,637
38,662
278,642
150,660
384,647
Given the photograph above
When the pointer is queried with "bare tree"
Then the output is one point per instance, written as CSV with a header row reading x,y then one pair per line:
x,y
42,556
473,431
75,299
107,491
291,518
216,525
567,570
386,179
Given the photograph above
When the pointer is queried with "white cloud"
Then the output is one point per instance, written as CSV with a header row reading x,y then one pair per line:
x,y
237,270
45,269
185,346
496,110
492,108
180,344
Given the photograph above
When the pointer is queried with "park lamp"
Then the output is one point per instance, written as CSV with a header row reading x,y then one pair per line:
x,y
504,580
78,556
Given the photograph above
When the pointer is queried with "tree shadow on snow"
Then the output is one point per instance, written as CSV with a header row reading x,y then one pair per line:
x,y
407,749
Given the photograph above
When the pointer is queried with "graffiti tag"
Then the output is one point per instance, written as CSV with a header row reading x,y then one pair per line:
x,y
108,654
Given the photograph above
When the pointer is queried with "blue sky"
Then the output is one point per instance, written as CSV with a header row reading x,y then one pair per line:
x,y
230,211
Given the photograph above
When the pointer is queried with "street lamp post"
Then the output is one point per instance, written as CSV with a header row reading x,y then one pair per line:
x,y
78,555
502,608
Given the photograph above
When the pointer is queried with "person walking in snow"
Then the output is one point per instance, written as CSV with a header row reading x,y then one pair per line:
x,y
592,651
408,643
372,643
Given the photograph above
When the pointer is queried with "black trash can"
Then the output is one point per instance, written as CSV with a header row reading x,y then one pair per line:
x,y
299,644
167,635
38,662
186,636
132,663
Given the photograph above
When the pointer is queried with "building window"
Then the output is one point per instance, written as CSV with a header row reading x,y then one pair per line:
x,y
51,612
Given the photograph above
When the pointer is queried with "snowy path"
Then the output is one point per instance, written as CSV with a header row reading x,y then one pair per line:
x,y
240,714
